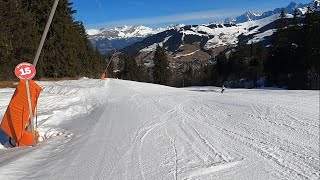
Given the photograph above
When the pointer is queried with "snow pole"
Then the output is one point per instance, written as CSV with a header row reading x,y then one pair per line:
x,y
104,74
31,125
45,32
111,60
35,61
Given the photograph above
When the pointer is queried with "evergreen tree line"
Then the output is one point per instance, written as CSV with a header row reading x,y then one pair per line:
x,y
67,51
292,60
243,62
185,74
127,68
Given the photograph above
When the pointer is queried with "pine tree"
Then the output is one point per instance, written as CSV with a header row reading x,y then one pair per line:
x,y
296,17
311,47
281,36
239,60
282,13
261,58
161,66
309,10
316,5
280,52
222,68
67,50
17,37
187,75
128,68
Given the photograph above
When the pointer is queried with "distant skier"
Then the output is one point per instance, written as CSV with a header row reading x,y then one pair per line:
x,y
222,89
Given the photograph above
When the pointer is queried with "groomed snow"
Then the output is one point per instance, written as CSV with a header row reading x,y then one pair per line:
x,y
115,129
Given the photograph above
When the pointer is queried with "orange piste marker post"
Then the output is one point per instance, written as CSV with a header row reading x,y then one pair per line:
x,y
18,119
26,71
104,75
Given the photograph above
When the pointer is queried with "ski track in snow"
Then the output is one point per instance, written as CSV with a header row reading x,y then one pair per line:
x,y
115,129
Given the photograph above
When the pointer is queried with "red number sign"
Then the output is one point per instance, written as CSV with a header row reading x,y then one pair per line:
x,y
25,71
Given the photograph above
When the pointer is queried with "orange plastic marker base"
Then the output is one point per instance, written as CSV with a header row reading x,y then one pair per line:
x,y
16,118
103,76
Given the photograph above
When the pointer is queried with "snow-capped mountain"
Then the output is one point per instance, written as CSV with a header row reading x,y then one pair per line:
x,y
251,16
247,16
119,37
123,32
200,43
226,33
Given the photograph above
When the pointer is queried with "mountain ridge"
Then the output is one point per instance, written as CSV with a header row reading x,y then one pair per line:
x,y
119,37
251,16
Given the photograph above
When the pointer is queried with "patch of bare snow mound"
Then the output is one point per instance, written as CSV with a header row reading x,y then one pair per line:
x,y
66,100
63,101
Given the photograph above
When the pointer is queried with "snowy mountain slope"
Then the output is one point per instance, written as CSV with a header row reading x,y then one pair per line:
x,y
199,44
115,129
119,37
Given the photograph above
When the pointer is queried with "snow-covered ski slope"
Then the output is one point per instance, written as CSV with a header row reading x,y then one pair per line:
x,y
115,129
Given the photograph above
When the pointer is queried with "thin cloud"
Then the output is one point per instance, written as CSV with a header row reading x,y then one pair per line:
x,y
99,4
178,18
100,7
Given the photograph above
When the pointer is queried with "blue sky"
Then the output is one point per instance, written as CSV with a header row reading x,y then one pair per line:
x,y
107,14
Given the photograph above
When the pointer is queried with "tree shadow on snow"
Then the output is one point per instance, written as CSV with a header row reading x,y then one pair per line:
x,y
206,90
